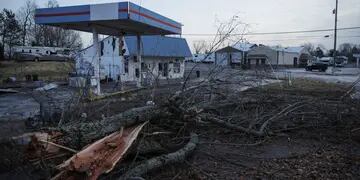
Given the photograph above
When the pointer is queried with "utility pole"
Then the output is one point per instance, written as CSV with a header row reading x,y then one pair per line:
x,y
335,33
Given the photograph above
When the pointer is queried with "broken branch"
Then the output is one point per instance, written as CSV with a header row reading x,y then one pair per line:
x,y
163,160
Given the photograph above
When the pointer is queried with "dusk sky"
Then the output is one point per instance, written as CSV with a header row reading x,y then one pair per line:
x,y
199,17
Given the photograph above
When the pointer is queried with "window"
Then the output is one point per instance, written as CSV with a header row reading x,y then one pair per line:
x,y
137,73
102,48
257,61
113,45
22,51
160,67
135,59
30,51
176,68
47,52
143,67
37,50
126,65
263,61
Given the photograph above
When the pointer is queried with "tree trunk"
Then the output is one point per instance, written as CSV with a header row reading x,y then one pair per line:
x,y
163,160
78,135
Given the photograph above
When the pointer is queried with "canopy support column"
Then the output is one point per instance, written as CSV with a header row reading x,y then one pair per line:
x,y
96,62
122,58
138,41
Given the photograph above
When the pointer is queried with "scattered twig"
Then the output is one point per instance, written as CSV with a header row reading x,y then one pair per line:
x,y
59,146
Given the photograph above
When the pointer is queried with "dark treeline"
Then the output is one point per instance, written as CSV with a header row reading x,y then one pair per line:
x,y
19,28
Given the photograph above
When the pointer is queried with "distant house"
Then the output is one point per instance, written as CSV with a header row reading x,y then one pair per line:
x,y
233,55
162,57
278,56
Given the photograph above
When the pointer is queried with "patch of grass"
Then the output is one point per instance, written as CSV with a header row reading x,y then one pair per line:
x,y
308,87
45,70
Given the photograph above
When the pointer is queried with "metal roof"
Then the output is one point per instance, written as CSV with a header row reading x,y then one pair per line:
x,y
297,49
159,46
109,19
244,46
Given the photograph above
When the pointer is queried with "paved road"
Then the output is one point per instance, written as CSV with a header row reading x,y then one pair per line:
x,y
342,75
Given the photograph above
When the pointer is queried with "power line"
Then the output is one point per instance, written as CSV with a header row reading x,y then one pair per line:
x,y
303,38
283,32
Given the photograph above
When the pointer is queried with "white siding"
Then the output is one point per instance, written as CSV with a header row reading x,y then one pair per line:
x,y
286,58
223,58
152,68
113,65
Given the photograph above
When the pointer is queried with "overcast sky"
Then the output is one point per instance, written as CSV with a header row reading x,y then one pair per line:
x,y
198,17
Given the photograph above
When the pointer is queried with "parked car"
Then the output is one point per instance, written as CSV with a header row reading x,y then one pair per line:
x,y
317,66
55,57
327,60
27,57
341,61
39,57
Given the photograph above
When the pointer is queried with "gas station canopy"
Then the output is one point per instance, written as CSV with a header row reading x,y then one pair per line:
x,y
109,19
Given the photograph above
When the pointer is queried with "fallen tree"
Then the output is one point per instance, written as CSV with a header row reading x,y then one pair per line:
x,y
163,160
73,136
79,134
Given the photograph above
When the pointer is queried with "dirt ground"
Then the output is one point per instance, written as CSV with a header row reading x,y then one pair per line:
x,y
313,150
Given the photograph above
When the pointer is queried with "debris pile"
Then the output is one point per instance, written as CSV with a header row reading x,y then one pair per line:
x,y
196,127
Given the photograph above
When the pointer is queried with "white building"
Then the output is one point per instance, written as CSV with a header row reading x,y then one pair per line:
x,y
278,56
233,55
162,58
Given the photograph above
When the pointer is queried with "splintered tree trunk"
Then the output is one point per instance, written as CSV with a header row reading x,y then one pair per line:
x,y
76,136
81,134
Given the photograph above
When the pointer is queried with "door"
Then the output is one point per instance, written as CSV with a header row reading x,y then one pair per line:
x,y
166,69
295,61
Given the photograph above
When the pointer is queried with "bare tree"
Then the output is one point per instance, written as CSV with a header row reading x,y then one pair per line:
x,y
25,17
199,46
232,30
309,47
56,37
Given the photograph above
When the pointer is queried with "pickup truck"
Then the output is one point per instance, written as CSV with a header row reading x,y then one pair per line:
x,y
317,66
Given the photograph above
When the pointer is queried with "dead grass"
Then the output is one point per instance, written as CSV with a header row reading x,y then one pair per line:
x,y
45,70
308,87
